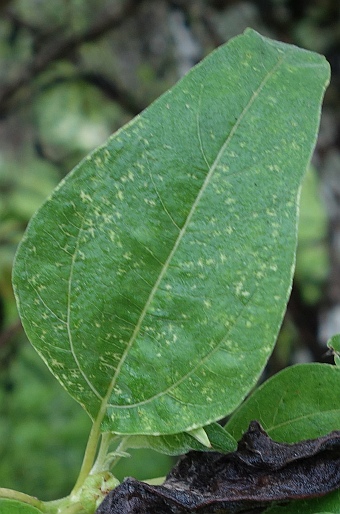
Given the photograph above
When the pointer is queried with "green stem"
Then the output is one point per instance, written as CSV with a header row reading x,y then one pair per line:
x,y
90,455
92,444
10,494
102,452
76,508
64,506
120,449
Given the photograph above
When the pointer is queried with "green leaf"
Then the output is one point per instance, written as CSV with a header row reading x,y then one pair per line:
x,y
329,504
334,345
177,444
300,402
201,436
154,280
220,439
16,507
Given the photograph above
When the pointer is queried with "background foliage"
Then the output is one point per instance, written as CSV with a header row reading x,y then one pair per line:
x,y
71,73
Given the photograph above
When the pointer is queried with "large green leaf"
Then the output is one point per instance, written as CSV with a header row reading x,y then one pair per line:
x,y
154,280
300,402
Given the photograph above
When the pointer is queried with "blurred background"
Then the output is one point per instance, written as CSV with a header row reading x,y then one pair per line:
x,y
71,73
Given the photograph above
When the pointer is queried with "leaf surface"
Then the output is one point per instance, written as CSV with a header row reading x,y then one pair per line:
x,y
16,507
300,402
154,280
177,444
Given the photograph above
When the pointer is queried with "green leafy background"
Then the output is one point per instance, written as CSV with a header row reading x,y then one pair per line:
x,y
40,143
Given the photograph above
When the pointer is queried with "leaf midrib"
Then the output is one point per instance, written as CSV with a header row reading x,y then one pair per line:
x,y
186,224
69,311
298,419
189,373
105,400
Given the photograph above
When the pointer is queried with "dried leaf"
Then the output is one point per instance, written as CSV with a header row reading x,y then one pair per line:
x,y
260,472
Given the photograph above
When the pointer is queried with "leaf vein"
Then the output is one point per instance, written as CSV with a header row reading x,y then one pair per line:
x,y
180,236
69,332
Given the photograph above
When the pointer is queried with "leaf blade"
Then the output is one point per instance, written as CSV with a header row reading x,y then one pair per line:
x,y
16,507
176,298
299,402
177,444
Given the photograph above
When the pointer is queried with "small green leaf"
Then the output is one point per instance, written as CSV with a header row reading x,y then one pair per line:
x,y
154,280
177,444
300,402
201,436
16,507
334,345
220,439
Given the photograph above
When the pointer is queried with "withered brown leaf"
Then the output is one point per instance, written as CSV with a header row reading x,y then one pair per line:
x,y
259,472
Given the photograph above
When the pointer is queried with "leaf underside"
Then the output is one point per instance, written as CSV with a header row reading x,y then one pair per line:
x,y
153,281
